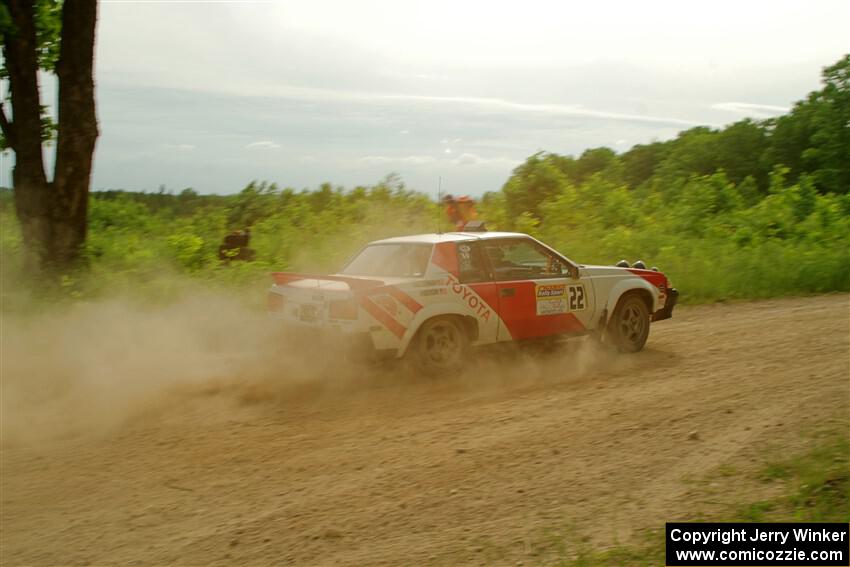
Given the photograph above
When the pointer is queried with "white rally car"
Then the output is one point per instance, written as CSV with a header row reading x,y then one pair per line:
x,y
433,296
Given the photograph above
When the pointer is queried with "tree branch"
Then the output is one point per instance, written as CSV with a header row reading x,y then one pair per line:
x,y
77,117
21,58
6,127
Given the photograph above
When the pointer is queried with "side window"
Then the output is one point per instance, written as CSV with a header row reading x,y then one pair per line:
x,y
471,263
523,260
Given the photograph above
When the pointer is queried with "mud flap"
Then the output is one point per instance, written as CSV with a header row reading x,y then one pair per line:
x,y
667,311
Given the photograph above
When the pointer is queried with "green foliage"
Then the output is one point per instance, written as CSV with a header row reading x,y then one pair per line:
x,y
154,243
705,234
640,162
533,182
48,31
7,27
815,137
830,141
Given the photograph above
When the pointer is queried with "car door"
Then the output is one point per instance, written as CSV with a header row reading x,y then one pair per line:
x,y
537,295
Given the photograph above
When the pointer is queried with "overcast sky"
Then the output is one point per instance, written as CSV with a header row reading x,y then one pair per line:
x,y
211,95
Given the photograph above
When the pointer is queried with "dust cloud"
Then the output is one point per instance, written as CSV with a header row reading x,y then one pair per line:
x,y
90,367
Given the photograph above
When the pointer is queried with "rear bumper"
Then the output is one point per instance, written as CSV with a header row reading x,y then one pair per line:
x,y
667,311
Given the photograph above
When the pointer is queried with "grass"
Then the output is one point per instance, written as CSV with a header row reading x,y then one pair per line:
x,y
816,488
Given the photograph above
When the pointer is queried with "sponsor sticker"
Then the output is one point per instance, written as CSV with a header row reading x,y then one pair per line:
x,y
559,298
545,291
551,299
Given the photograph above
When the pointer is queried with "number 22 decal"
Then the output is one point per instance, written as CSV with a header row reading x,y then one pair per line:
x,y
576,296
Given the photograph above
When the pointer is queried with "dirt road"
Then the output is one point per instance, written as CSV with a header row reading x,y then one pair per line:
x,y
499,466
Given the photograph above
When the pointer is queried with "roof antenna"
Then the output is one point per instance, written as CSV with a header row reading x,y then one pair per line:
x,y
439,202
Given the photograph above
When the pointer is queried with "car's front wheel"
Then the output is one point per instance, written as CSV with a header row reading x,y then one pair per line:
x,y
442,345
628,327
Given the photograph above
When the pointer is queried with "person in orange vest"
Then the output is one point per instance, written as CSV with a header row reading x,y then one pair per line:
x,y
450,205
460,210
466,210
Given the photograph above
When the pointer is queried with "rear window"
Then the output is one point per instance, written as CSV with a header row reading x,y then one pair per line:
x,y
390,260
471,263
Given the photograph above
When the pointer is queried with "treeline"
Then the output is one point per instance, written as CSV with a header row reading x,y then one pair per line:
x,y
260,200
756,209
138,242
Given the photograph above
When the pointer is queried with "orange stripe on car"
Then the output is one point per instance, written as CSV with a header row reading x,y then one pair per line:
x,y
382,317
657,279
413,305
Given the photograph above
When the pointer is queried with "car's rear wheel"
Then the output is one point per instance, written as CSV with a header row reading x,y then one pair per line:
x,y
628,328
442,345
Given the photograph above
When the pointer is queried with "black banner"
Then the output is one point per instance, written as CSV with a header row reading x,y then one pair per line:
x,y
742,544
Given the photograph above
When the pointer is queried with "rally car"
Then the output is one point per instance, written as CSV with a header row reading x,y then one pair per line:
x,y
434,296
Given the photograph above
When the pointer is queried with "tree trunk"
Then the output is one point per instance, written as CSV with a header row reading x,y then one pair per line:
x,y
77,132
32,195
53,216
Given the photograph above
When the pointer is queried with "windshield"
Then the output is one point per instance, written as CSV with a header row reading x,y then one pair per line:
x,y
390,260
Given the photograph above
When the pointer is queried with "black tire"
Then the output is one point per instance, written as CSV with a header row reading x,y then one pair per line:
x,y
628,327
441,346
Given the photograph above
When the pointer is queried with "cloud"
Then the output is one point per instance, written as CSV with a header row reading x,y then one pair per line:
x,y
418,160
479,105
464,159
263,145
180,147
473,163
417,76
375,160
406,160
751,109
497,105
467,159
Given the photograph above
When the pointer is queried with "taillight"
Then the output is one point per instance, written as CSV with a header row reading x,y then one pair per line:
x,y
276,301
343,309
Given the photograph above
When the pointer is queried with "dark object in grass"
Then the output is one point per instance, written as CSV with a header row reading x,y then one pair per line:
x,y
235,246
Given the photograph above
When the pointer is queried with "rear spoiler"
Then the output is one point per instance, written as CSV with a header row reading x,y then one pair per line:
x,y
283,278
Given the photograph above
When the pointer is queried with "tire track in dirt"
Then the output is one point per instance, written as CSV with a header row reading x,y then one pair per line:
x,y
474,469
